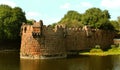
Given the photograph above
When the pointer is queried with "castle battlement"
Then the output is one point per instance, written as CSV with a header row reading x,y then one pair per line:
x,y
40,41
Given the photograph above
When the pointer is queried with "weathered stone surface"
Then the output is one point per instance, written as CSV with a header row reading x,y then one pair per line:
x,y
46,41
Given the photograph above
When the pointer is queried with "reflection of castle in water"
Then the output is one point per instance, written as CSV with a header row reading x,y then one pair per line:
x,y
40,41
79,63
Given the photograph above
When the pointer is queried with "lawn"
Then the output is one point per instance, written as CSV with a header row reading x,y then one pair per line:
x,y
99,52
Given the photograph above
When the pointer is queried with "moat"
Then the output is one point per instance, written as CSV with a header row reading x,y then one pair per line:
x,y
12,61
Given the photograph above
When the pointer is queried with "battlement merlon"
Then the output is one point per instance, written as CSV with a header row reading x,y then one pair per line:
x,y
38,29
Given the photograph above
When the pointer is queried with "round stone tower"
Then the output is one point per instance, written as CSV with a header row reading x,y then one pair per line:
x,y
31,40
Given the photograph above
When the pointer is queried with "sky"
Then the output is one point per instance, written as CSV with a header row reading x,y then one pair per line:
x,y
51,11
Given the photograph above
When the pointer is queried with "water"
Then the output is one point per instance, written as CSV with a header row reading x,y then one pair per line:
x,y
11,61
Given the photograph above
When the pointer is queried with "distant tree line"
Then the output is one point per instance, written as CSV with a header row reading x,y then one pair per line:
x,y
11,20
94,17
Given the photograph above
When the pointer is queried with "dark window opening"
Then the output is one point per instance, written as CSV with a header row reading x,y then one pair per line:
x,y
25,30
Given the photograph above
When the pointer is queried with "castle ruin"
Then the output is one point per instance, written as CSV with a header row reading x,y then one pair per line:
x,y
39,41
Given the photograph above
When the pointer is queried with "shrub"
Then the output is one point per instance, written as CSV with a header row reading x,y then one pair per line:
x,y
113,46
96,49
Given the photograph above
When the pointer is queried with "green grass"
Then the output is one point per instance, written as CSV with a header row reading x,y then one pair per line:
x,y
99,52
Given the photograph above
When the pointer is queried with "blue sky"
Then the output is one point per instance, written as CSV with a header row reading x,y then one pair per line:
x,y
51,11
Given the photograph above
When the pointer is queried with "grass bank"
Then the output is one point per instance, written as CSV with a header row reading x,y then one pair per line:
x,y
115,50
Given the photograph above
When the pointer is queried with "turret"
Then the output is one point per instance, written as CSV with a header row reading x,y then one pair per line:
x,y
37,29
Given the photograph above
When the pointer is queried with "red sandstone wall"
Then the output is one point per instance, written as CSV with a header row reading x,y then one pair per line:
x,y
54,41
29,45
78,40
58,40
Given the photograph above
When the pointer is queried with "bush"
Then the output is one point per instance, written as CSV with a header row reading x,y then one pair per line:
x,y
96,49
114,48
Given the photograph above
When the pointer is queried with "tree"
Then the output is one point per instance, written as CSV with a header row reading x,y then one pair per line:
x,y
115,24
5,12
71,19
30,22
96,18
119,22
106,25
106,14
11,20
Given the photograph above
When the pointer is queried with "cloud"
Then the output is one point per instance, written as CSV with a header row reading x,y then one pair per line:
x,y
8,2
47,19
83,6
113,4
51,20
86,4
41,16
33,14
65,6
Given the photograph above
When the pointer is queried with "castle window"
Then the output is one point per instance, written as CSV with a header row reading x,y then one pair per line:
x,y
21,29
25,30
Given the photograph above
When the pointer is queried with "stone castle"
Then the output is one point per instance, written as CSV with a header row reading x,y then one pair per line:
x,y
39,41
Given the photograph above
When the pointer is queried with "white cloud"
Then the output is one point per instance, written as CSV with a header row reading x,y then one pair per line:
x,y
33,14
38,16
47,19
110,3
8,2
65,6
51,20
86,4
83,6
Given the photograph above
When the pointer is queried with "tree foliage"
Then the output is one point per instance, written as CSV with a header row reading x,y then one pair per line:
x,y
30,22
94,17
10,22
115,24
71,19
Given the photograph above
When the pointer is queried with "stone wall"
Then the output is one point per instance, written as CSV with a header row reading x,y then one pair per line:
x,y
80,40
29,45
117,41
54,41
43,41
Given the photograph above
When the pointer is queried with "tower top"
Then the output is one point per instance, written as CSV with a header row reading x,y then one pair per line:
x,y
38,24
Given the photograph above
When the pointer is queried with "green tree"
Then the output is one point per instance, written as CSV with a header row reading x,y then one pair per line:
x,y
115,24
96,18
10,22
119,22
30,22
106,25
71,19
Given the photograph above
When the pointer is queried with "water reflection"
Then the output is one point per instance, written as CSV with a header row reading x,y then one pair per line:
x,y
57,64
116,62
11,61
43,65
100,63
81,63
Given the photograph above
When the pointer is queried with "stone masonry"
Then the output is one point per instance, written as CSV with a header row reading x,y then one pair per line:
x,y
39,41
